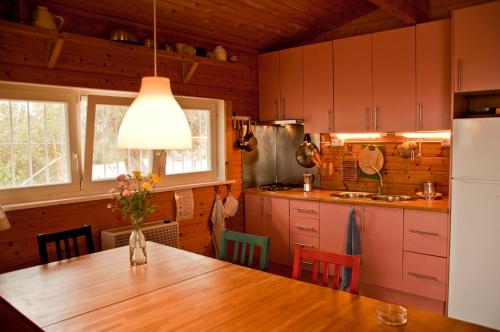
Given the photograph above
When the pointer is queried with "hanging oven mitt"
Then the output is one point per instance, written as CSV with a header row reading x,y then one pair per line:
x,y
230,206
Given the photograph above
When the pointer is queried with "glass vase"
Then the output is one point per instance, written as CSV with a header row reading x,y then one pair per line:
x,y
137,246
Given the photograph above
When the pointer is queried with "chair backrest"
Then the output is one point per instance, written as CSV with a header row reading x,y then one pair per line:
x,y
64,237
327,259
243,240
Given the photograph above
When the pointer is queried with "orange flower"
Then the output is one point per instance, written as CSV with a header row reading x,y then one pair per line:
x,y
155,178
137,173
147,186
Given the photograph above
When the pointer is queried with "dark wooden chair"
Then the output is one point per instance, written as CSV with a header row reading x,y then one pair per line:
x,y
327,259
65,237
243,240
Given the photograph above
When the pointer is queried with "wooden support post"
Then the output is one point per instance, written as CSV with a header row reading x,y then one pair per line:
x,y
187,76
54,50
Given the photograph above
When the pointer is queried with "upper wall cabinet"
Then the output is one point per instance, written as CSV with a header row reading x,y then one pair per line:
x,y
433,44
476,48
352,74
318,87
269,86
393,59
281,85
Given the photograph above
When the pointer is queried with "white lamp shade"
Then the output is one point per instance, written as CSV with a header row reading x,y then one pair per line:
x,y
155,120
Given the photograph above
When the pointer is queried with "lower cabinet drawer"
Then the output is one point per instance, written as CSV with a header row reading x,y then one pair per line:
x,y
305,241
426,232
301,208
425,275
304,226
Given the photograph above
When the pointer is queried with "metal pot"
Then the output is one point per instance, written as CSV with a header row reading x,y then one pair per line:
x,y
124,35
307,154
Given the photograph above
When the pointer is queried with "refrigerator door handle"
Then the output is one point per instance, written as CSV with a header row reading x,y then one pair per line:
x,y
475,180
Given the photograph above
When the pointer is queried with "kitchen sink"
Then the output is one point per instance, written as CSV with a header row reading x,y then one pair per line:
x,y
352,194
392,198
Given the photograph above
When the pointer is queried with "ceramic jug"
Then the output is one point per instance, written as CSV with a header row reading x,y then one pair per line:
x,y
44,19
220,53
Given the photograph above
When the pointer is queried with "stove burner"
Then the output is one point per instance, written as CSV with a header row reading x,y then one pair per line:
x,y
277,186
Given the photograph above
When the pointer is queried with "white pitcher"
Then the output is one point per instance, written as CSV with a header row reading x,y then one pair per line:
x,y
44,19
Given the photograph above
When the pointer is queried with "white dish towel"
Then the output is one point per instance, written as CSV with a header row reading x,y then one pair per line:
x,y
218,222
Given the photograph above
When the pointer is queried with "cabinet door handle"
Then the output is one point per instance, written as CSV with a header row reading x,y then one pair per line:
x,y
262,207
305,210
459,74
276,108
303,244
415,231
329,119
304,227
367,110
282,107
375,120
307,262
420,116
269,208
422,276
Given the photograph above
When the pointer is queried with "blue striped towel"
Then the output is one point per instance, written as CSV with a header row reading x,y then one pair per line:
x,y
352,247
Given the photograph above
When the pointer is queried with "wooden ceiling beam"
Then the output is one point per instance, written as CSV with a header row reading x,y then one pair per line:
x,y
409,12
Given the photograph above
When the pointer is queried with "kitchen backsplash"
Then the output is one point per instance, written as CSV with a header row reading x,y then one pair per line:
x,y
434,165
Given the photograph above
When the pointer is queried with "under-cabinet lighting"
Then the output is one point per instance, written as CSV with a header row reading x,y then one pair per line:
x,y
358,136
441,135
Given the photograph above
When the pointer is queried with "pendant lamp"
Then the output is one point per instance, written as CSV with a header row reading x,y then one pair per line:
x,y
155,120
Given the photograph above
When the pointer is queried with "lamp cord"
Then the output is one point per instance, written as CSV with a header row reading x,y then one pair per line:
x,y
154,32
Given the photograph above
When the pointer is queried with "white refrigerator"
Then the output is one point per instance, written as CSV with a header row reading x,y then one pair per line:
x,y
474,282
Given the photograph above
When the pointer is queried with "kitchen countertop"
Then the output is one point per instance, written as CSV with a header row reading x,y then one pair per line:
x,y
323,195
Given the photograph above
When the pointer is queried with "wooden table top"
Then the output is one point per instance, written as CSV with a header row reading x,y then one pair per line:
x,y
236,298
324,195
47,294
183,291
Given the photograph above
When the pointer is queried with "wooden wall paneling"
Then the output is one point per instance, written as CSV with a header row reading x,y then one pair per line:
x,y
433,166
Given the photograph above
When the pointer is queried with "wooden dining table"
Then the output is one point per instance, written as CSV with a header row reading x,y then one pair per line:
x,y
182,291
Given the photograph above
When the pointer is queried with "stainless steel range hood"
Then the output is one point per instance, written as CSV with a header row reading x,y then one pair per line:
x,y
281,122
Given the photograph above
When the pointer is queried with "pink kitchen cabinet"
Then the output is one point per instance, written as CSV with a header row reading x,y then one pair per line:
x,y
271,217
476,48
393,59
278,229
318,87
291,84
333,226
269,86
381,231
433,78
352,73
255,214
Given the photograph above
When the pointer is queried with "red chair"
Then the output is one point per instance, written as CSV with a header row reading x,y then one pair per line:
x,y
324,260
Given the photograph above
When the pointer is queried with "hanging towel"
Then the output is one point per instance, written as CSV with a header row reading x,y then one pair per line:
x,y
230,205
218,223
352,247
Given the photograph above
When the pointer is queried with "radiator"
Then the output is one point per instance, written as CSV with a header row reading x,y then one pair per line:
x,y
162,232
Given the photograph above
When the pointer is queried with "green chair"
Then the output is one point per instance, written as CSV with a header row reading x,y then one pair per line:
x,y
243,240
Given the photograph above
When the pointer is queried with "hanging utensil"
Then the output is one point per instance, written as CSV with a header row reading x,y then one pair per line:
x,y
307,154
349,165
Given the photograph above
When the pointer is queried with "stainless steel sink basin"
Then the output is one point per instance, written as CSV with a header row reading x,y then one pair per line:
x,y
352,194
392,198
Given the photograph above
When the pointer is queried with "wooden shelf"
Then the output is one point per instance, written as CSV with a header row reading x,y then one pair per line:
x,y
55,41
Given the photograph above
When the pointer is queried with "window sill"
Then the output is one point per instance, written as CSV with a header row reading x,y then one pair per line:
x,y
94,197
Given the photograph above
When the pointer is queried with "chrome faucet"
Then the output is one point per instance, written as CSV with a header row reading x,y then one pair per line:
x,y
380,188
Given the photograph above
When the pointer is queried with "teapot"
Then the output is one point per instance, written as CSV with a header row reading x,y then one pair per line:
x,y
44,19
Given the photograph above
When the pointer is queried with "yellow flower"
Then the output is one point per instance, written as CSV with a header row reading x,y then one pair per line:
x,y
147,186
155,178
137,174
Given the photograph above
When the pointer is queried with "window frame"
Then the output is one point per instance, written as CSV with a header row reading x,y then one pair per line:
x,y
23,92
214,106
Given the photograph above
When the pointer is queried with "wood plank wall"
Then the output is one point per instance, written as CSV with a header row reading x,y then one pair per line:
x,y
433,166
24,59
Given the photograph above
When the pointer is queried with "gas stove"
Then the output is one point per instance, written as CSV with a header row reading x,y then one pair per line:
x,y
278,186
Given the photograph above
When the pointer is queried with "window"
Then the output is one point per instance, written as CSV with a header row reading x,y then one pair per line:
x,y
35,144
61,142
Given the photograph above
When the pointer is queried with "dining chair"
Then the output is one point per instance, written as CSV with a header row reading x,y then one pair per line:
x,y
324,260
244,240
65,237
